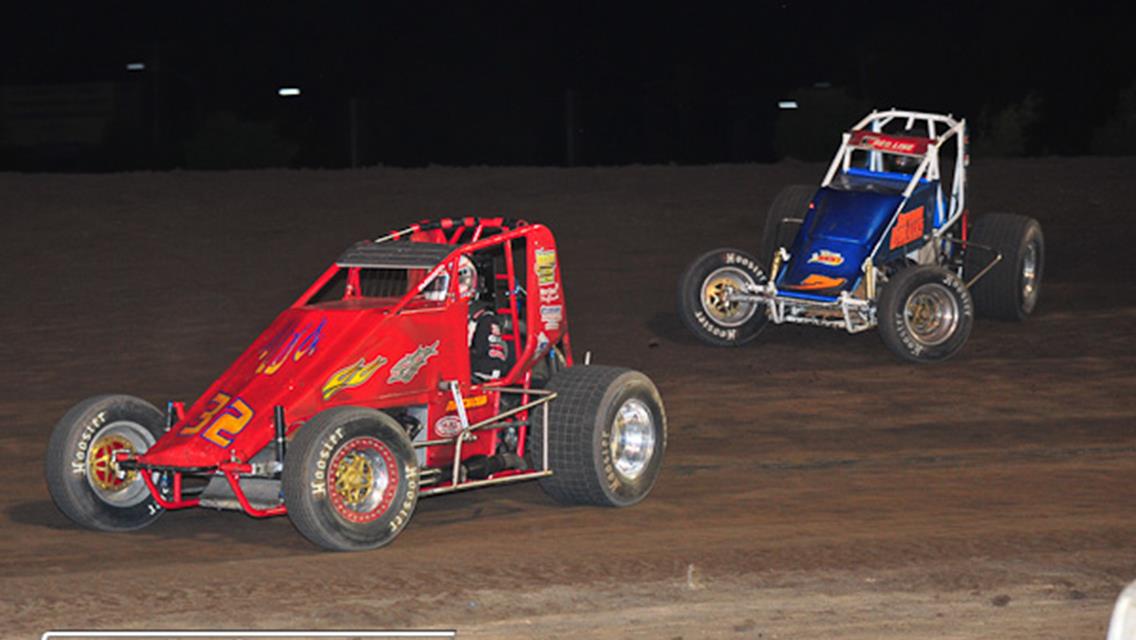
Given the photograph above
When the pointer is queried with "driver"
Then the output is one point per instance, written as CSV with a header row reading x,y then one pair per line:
x,y
489,354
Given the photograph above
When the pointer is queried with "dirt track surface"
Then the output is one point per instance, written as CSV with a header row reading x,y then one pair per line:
x,y
813,487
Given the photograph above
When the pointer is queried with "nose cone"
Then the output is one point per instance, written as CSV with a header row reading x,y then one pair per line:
x,y
233,419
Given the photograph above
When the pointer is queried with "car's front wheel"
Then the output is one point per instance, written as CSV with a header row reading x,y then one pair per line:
x,y
350,479
81,467
707,301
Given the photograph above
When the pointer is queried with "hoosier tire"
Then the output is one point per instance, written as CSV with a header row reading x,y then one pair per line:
x,y
925,314
607,434
784,218
350,479
80,468
1010,290
703,298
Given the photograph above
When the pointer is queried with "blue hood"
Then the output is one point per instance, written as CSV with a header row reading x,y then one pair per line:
x,y
838,232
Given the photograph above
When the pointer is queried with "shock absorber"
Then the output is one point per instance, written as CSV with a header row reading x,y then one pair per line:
x,y
281,432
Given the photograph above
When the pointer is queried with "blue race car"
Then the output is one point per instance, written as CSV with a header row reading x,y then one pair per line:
x,y
885,241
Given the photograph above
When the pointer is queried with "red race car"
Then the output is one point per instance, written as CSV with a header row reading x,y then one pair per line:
x,y
431,360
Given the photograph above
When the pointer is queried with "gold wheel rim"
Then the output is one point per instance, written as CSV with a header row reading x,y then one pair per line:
x,y
354,479
716,298
102,464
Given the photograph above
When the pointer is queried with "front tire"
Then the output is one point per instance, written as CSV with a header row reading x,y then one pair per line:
x,y
350,479
1010,290
925,314
82,474
704,302
607,434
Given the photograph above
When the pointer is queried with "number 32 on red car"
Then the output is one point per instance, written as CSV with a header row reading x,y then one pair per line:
x,y
222,421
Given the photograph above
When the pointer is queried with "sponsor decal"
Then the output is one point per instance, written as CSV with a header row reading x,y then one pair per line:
x,y
471,402
545,266
894,144
550,294
410,364
816,281
908,228
448,426
542,343
551,316
353,375
826,257
498,350
289,345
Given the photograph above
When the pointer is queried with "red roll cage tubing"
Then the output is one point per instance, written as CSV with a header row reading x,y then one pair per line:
x,y
459,225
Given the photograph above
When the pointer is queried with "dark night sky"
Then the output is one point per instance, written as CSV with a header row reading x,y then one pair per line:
x,y
469,82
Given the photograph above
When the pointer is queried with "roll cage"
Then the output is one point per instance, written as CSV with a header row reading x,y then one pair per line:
x,y
877,135
431,251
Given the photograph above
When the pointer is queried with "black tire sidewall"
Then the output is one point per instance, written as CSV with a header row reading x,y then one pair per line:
x,y
66,463
695,317
306,479
621,491
893,303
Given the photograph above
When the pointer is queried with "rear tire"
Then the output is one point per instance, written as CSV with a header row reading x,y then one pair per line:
x,y
1010,290
925,314
784,219
82,475
607,432
703,302
350,479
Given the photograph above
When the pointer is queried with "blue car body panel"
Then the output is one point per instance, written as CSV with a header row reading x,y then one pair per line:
x,y
843,226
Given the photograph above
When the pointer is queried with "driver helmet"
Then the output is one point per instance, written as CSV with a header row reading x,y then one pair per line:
x,y
906,164
467,278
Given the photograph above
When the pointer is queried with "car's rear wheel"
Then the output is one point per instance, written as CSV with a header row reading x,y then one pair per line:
x,y
925,314
784,218
1010,290
706,301
81,467
606,439
350,479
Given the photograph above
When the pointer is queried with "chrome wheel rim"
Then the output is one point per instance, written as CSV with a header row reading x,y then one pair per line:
x,y
632,439
717,296
931,314
112,485
1030,276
